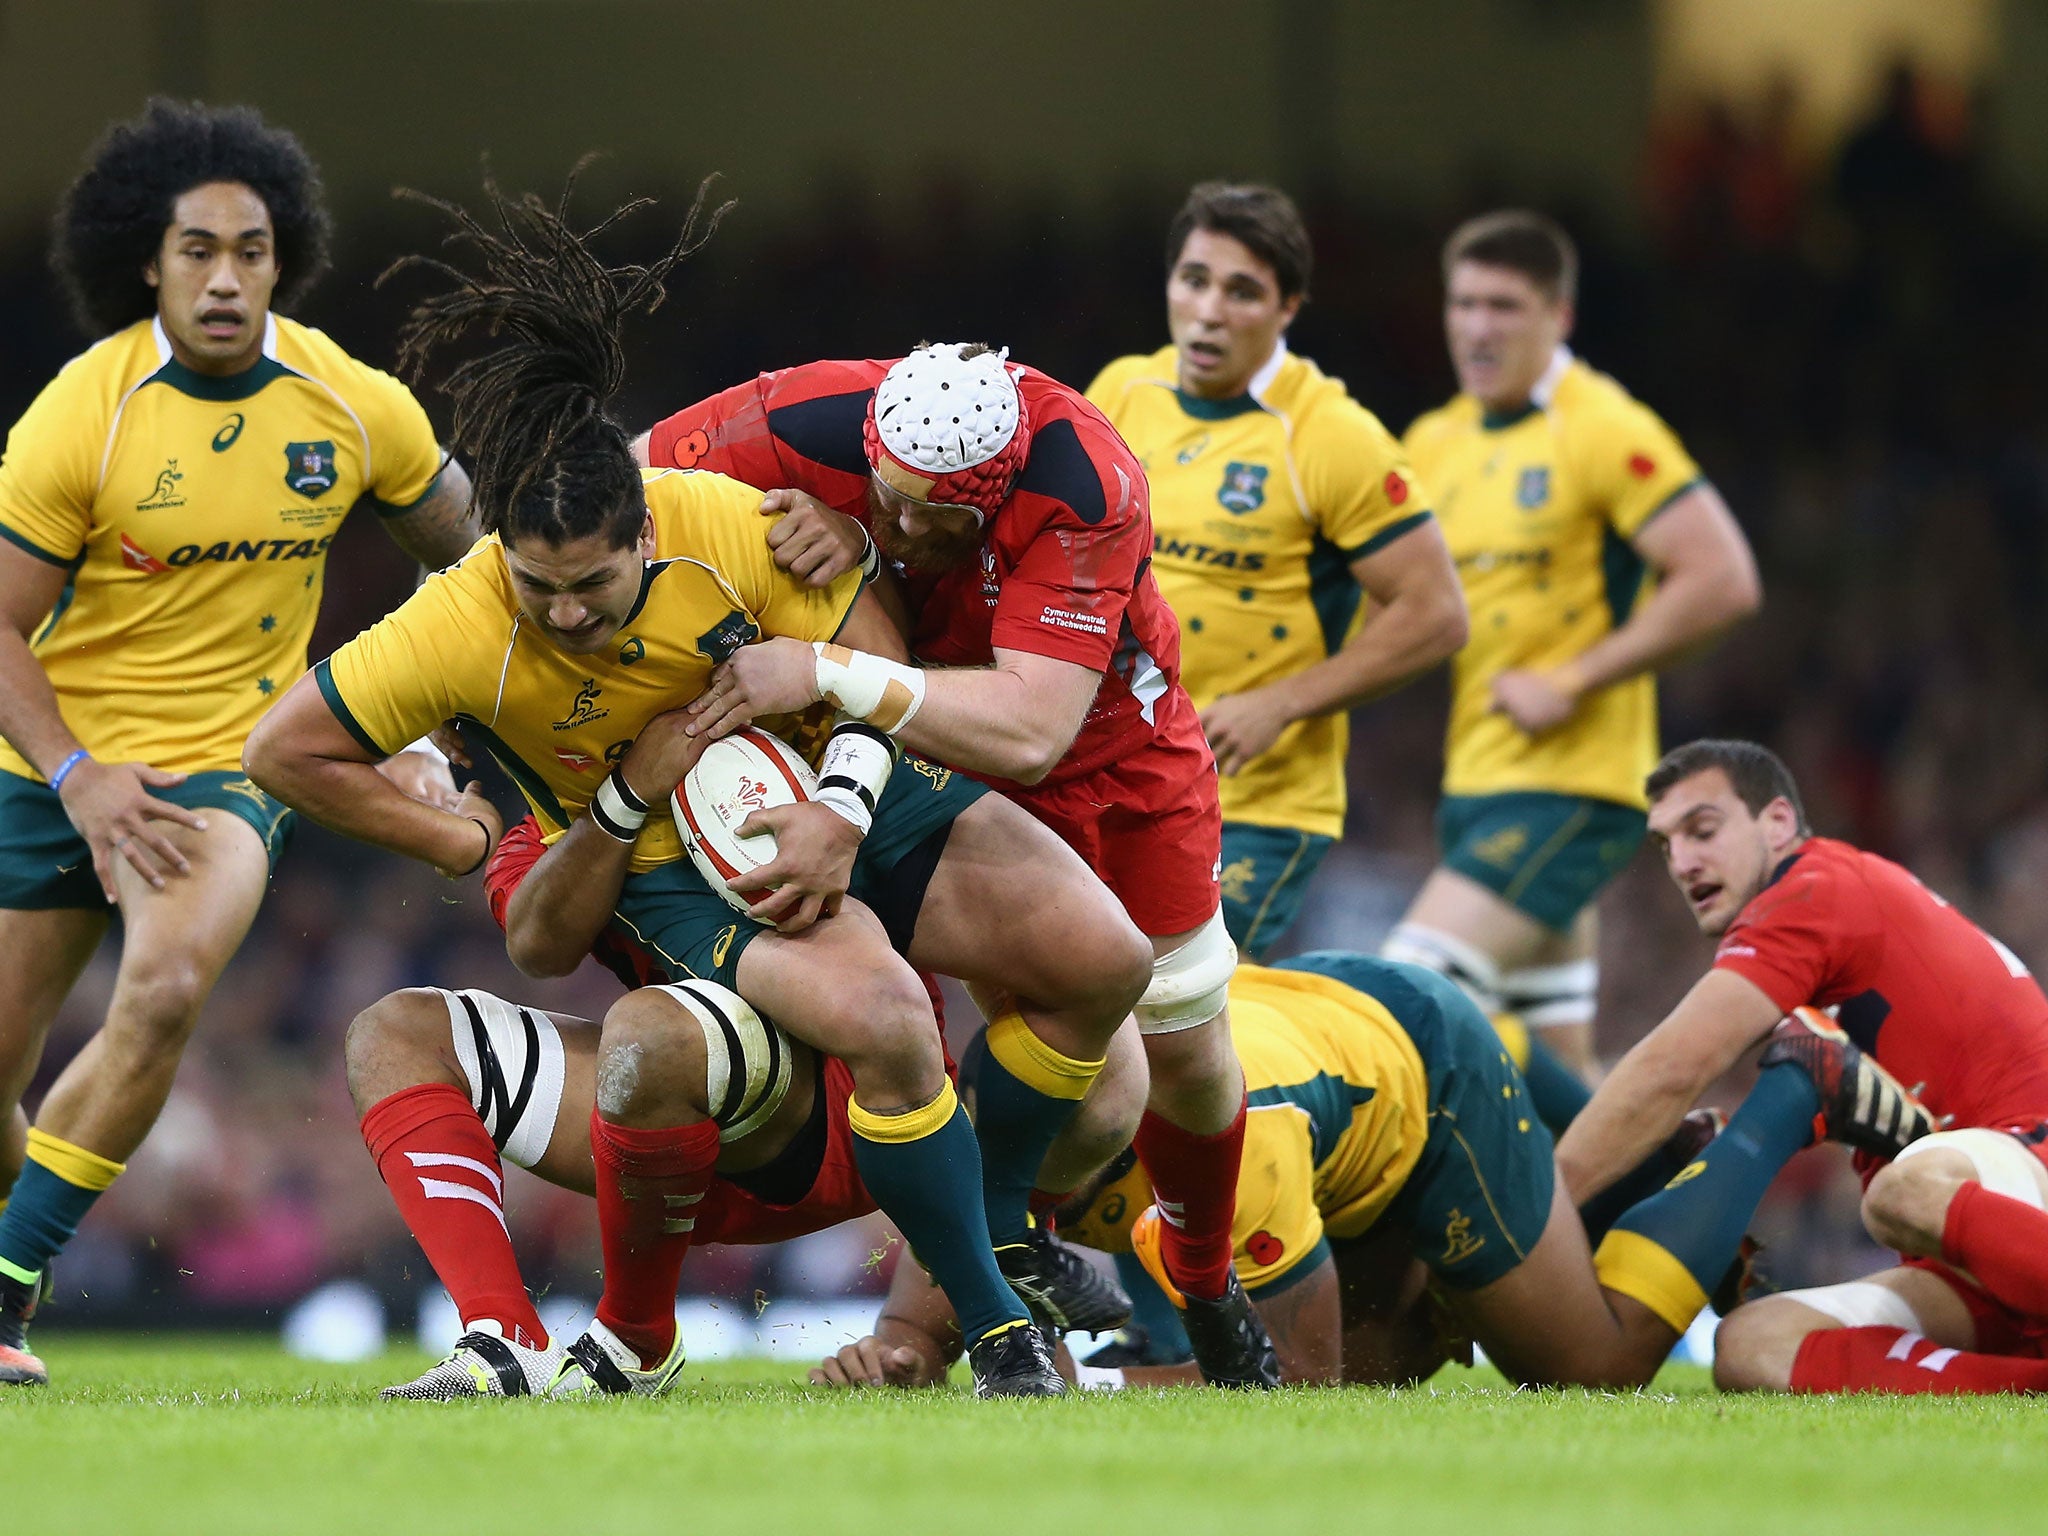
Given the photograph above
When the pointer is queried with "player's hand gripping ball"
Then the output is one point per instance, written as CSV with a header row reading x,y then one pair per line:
x,y
738,775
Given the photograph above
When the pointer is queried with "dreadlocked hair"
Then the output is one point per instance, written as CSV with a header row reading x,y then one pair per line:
x,y
545,460
111,222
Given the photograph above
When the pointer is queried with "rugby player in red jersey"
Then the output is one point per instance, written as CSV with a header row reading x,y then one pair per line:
x,y
1807,923
1050,669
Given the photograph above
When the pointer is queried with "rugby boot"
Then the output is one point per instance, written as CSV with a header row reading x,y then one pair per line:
x,y
1861,1104
1062,1289
1231,1343
601,1364
1131,1345
482,1365
1742,1282
1015,1361
18,1302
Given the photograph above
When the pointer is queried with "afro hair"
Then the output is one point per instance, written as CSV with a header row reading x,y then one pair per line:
x,y
112,220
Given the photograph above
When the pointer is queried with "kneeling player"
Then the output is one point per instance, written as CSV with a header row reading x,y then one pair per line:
x,y
447,1082
1808,923
1383,1102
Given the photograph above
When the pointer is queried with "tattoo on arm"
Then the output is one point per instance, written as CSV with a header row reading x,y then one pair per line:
x,y
438,529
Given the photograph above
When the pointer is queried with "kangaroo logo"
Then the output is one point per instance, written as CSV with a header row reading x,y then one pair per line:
x,y
165,492
1459,1243
585,709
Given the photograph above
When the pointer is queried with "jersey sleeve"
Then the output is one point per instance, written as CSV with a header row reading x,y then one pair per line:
x,y
432,658
729,513
1277,1227
1107,393
405,455
1362,492
1800,937
49,475
1066,595
1633,463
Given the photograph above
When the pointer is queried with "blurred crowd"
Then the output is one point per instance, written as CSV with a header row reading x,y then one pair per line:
x,y
1847,342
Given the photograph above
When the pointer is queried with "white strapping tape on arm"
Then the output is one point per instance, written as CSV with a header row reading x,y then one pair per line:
x,y
886,694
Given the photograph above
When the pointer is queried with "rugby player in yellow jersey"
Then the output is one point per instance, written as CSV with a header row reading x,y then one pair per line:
x,y
1592,554
166,506
1386,1115
567,640
1276,500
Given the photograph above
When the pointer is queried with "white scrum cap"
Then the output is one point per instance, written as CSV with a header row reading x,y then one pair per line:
x,y
948,428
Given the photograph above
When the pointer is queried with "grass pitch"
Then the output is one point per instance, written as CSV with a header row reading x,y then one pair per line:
x,y
225,1436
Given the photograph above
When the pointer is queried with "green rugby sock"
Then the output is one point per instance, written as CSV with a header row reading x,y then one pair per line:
x,y
1024,1093
1670,1251
924,1170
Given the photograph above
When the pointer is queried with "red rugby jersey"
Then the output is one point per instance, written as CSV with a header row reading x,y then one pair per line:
x,y
1935,998
1065,566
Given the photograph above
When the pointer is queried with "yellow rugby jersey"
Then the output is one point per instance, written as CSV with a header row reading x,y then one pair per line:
x,y
1539,510
460,649
1259,507
194,514
1338,1115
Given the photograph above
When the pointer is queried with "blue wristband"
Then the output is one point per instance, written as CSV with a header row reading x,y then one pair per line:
x,y
64,769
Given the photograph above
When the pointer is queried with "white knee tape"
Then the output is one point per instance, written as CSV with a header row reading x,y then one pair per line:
x,y
512,1058
2003,1166
1190,984
1469,966
748,1063
1859,1304
1549,996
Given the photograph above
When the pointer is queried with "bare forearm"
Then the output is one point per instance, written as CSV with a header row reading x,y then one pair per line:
x,y
1683,613
29,717
1407,637
565,901
987,720
354,799
1634,1112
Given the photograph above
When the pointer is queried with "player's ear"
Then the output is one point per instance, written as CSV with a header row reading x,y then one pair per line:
x,y
646,544
152,274
1290,308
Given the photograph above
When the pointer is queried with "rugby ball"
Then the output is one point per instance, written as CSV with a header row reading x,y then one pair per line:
x,y
738,775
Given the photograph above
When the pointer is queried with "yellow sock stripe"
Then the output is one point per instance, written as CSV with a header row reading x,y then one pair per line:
x,y
1037,1065
1514,1034
1637,1267
71,1163
74,1165
914,1126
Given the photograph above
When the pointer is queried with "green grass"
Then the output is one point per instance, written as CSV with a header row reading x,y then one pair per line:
x,y
224,1436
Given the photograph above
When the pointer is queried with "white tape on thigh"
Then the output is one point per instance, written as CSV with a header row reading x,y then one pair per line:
x,y
1469,966
1190,984
747,1060
2003,1166
1859,1304
1551,996
512,1058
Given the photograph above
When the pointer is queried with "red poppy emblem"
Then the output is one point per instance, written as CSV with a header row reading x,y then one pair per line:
x,y
1264,1248
1395,487
1641,465
690,448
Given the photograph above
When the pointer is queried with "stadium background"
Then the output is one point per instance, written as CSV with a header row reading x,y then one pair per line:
x,y
1813,233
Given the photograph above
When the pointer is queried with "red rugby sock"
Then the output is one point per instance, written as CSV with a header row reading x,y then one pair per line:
x,y
2001,1241
444,1175
649,1184
1195,1179
1893,1360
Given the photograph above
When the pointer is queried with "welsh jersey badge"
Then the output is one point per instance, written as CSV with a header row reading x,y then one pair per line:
x,y
1243,489
309,468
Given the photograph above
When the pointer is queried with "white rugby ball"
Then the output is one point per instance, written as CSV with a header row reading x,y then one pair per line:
x,y
738,775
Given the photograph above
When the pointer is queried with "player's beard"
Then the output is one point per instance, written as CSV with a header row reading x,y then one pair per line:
x,y
939,550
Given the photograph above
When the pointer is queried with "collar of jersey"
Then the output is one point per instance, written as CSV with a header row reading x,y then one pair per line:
x,y
648,572
207,386
1253,399
1539,397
